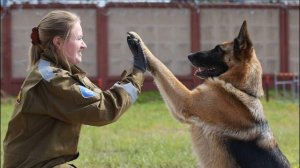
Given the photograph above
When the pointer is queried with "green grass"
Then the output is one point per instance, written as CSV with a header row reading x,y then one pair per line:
x,y
147,136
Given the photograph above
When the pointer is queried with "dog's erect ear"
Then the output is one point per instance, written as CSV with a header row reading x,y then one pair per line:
x,y
242,41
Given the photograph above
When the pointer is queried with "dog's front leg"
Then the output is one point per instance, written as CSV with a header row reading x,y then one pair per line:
x,y
174,93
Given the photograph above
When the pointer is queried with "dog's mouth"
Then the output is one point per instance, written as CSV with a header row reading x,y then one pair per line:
x,y
209,71
208,64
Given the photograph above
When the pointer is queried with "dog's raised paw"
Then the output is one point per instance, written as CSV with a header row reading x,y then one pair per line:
x,y
134,36
132,43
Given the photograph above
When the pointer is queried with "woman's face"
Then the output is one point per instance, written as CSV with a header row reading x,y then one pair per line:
x,y
74,45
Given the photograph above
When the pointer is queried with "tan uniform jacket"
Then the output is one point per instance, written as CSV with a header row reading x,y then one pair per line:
x,y
52,105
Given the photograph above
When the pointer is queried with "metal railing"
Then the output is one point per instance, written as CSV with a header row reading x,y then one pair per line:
x,y
284,82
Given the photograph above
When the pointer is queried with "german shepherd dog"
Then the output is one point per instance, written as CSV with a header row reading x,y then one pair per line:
x,y
227,123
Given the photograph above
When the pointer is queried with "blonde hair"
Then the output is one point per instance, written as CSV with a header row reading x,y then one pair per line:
x,y
55,23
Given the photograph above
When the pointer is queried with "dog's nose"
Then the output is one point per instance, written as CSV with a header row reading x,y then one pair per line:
x,y
190,56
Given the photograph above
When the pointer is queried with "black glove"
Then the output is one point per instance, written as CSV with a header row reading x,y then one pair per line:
x,y
139,60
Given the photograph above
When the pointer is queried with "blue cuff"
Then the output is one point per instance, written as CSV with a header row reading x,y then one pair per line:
x,y
130,89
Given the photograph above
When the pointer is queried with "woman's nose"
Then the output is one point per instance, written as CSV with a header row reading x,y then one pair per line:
x,y
84,45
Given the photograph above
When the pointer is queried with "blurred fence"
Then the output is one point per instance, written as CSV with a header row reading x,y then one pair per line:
x,y
284,82
171,30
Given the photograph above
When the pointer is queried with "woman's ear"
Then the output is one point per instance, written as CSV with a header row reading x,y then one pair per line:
x,y
57,41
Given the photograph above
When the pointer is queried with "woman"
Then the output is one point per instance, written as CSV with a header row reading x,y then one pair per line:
x,y
56,97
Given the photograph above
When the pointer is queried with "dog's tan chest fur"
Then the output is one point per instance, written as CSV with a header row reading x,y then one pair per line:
x,y
210,152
